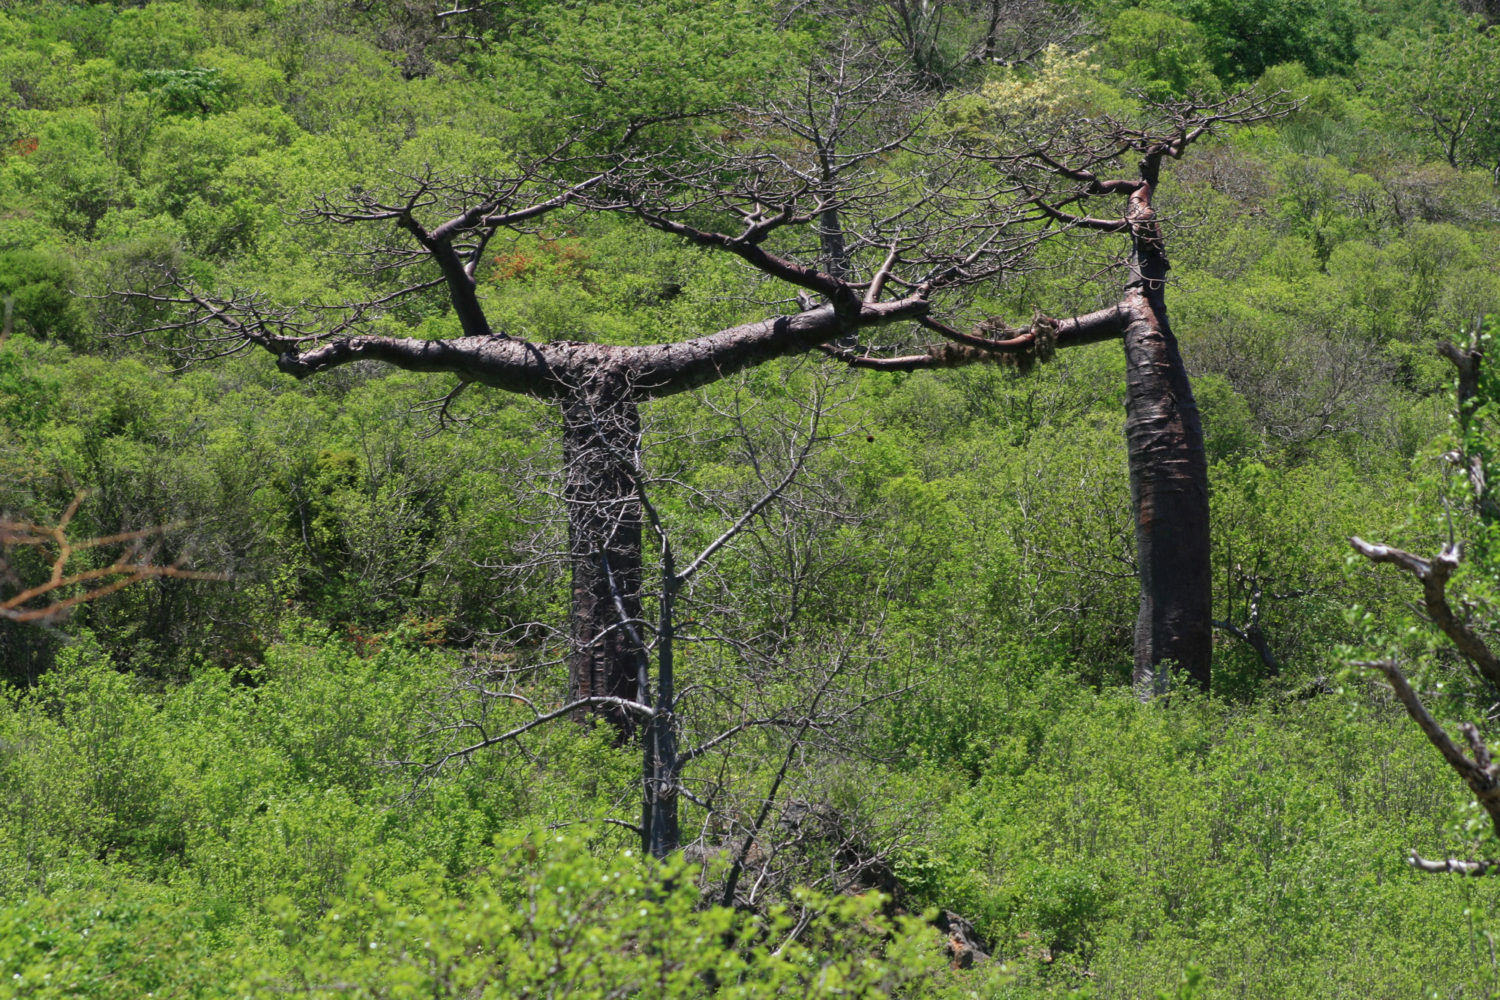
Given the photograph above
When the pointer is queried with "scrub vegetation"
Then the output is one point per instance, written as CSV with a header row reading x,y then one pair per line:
x,y
675,499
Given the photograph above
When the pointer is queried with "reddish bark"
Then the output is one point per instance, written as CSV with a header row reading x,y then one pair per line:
x,y
1168,470
1168,465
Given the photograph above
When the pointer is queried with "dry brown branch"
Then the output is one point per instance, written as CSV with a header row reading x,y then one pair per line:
x,y
48,601
1479,773
1434,575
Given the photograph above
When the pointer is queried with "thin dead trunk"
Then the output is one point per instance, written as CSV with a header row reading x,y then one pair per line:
x,y
1469,364
664,763
992,33
601,435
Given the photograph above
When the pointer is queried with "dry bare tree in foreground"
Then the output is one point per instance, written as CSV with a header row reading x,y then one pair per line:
x,y
1477,768
1057,174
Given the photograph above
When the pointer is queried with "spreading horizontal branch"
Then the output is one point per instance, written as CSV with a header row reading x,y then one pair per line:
x,y
1019,346
542,718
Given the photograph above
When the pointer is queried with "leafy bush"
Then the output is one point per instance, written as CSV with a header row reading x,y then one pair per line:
x,y
38,289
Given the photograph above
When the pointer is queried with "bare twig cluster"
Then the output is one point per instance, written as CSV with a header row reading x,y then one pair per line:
x,y
707,672
1046,177
66,585
1251,583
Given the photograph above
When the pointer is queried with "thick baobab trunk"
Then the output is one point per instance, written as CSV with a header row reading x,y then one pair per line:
x,y
601,437
1168,474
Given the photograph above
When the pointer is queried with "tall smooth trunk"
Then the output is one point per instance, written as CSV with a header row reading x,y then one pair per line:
x,y
1168,476
601,438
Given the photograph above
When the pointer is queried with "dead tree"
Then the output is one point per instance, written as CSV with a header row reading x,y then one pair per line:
x,y
1471,457
796,191
1016,32
683,725
943,41
1055,176
1468,638
1477,769
1252,584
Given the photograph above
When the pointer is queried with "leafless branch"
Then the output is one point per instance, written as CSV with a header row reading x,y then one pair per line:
x,y
1482,777
1434,574
133,565
1453,866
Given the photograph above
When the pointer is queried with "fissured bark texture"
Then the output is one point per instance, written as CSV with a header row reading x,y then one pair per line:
x,y
601,439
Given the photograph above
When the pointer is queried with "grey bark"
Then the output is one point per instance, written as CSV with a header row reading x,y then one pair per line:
x,y
601,435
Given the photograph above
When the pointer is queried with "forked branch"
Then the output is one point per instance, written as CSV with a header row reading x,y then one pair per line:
x,y
1478,771
1434,575
48,600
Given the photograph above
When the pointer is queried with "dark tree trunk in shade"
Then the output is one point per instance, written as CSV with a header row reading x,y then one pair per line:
x,y
601,437
663,771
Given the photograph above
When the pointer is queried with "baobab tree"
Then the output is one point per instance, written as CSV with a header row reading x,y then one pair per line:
x,y
1055,173
743,681
799,190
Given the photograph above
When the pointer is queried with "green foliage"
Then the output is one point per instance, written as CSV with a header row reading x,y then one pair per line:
x,y
1108,844
259,800
68,180
1162,55
1063,87
1443,87
1246,37
188,91
120,940
212,787
37,288
158,36
549,915
612,63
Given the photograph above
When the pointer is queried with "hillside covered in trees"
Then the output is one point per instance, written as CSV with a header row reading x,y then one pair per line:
x,y
682,498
